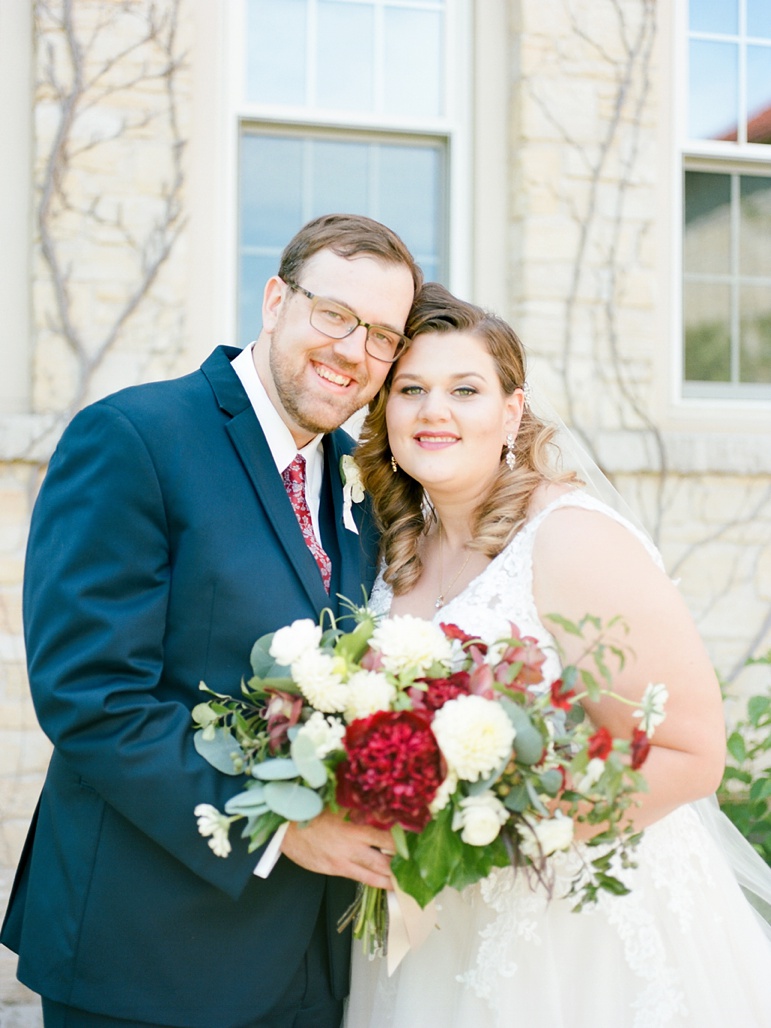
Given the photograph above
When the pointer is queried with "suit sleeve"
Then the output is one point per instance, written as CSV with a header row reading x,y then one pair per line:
x,y
95,600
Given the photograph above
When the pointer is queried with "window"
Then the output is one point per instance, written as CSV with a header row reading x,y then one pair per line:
x,y
345,105
727,201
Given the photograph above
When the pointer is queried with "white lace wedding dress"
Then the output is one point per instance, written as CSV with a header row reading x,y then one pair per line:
x,y
683,948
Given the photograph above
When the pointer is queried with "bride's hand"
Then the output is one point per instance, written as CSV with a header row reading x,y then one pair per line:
x,y
331,846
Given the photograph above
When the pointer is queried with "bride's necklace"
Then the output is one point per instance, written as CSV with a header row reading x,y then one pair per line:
x,y
441,598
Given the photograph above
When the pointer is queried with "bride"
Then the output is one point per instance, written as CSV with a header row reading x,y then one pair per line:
x,y
480,530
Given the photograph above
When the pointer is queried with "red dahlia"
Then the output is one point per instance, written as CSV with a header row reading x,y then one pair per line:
x,y
392,770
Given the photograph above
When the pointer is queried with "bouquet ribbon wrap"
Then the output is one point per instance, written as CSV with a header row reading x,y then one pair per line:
x,y
409,925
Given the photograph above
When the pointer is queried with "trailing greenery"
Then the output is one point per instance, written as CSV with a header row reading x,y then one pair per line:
x,y
745,792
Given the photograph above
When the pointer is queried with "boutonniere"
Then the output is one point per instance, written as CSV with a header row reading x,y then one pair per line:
x,y
353,490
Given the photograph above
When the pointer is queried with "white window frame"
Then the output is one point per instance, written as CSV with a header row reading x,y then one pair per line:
x,y
453,127
719,157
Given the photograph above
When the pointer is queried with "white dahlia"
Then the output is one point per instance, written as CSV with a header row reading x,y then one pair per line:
x,y
368,692
326,733
474,734
411,644
319,681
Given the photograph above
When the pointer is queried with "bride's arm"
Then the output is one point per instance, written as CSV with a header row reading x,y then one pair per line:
x,y
586,563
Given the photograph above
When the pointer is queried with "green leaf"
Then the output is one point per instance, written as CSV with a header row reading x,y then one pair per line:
x,y
203,715
276,769
568,626
528,743
354,645
761,789
262,829
294,802
249,802
308,764
220,750
736,747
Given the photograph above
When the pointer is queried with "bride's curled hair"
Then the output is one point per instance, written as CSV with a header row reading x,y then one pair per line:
x,y
402,511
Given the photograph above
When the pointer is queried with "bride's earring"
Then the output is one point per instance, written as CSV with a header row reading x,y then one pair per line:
x,y
394,465
510,458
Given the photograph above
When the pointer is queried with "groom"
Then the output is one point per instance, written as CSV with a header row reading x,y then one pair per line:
x,y
163,543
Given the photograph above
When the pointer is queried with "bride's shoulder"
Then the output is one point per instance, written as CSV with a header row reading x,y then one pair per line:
x,y
576,529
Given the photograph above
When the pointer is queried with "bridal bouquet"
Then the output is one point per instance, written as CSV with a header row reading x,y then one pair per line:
x,y
457,746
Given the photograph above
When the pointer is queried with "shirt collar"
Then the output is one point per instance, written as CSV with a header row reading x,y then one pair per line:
x,y
283,448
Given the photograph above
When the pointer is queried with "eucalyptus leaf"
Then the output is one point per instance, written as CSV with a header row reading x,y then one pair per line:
x,y
276,769
307,763
517,799
249,802
292,801
551,781
528,744
263,665
220,750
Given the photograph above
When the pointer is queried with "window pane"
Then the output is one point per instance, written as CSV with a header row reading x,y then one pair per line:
x,y
345,56
254,272
714,15
270,189
759,18
712,90
413,42
755,229
276,51
759,93
415,211
340,175
287,180
707,242
755,351
707,313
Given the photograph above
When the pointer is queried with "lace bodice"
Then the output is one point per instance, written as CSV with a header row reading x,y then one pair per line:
x,y
503,592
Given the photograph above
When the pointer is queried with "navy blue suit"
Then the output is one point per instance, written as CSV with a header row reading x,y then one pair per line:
x,y
162,545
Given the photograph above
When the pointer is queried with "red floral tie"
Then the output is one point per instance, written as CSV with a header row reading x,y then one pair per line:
x,y
294,481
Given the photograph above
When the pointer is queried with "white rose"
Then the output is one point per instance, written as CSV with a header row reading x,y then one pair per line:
x,y
480,818
326,733
368,692
474,734
318,680
408,643
545,837
443,793
290,643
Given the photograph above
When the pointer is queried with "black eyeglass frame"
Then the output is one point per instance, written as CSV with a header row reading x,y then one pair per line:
x,y
401,345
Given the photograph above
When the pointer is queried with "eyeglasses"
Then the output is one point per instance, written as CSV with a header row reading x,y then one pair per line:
x,y
338,322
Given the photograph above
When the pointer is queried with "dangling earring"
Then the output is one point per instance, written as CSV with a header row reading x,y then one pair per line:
x,y
510,458
394,465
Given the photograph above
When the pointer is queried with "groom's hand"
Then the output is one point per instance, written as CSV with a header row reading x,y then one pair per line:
x,y
331,846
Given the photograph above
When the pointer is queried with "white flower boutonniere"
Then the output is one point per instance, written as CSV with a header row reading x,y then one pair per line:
x,y
353,490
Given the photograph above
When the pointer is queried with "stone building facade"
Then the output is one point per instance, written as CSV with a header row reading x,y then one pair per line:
x,y
119,220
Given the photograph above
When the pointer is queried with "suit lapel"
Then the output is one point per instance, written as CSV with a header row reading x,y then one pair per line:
x,y
350,573
252,448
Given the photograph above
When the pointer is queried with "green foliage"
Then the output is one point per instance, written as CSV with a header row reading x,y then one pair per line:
x,y
745,792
